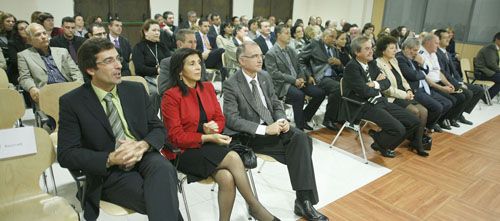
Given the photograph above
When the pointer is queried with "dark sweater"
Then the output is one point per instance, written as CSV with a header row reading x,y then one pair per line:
x,y
144,59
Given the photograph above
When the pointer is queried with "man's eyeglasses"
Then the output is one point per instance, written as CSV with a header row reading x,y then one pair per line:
x,y
254,56
111,60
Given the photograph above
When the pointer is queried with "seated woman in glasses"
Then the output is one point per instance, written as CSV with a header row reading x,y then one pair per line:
x,y
194,121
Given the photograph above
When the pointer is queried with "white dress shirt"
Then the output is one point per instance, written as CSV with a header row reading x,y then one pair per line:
x,y
432,62
261,129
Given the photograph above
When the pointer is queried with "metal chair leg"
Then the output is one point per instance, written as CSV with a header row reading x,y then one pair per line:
x,y
252,183
44,176
338,134
181,189
362,145
53,180
262,165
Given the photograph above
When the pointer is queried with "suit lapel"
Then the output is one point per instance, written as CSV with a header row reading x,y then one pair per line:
x,y
323,55
58,57
245,89
95,108
38,59
263,85
127,107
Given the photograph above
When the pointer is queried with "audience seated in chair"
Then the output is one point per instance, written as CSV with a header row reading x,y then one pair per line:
x,y
364,82
290,81
115,141
68,39
251,106
194,120
487,64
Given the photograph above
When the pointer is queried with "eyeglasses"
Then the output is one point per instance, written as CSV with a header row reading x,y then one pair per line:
x,y
254,56
111,60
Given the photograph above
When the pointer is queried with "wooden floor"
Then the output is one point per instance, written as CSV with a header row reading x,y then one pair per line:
x,y
460,180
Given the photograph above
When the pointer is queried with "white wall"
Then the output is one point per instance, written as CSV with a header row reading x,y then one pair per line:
x,y
354,11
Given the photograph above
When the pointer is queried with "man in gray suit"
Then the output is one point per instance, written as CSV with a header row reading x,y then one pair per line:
x,y
289,80
487,64
41,64
184,39
251,106
319,60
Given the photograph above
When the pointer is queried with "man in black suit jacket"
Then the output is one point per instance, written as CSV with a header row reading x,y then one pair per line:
x,y
109,130
412,67
487,64
470,93
68,39
190,22
207,46
396,123
214,29
251,106
266,39
121,43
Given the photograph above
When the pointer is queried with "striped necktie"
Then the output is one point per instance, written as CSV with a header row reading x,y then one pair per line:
x,y
263,112
114,119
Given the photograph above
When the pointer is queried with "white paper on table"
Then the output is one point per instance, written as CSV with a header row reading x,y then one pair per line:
x,y
17,142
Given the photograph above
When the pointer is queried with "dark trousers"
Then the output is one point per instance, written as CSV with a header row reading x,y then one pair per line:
x,y
332,89
459,101
473,93
149,188
214,59
294,149
296,97
496,87
436,105
396,123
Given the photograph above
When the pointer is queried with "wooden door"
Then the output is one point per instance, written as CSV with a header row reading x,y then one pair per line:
x,y
202,8
281,9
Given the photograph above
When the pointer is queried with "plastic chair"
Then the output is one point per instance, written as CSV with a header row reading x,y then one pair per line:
x,y
21,197
468,73
138,79
4,80
11,107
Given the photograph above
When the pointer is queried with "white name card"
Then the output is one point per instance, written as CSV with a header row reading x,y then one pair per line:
x,y
17,142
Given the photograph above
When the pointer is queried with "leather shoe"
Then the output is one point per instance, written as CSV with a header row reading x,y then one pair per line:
x,y
306,210
307,127
437,128
462,120
444,126
454,123
330,125
383,151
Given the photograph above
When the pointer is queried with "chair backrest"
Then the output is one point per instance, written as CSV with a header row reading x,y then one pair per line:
x,y
50,94
467,69
131,67
11,107
341,88
4,80
21,175
137,79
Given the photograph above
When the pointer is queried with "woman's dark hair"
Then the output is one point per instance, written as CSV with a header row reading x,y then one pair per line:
x,y
177,65
236,29
293,30
382,44
16,37
223,29
298,22
367,26
3,17
146,25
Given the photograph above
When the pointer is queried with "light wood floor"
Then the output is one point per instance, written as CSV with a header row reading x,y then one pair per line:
x,y
460,180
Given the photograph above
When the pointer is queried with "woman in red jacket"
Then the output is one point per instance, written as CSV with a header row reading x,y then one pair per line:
x,y
194,121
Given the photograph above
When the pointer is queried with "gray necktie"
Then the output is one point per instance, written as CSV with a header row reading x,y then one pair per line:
x,y
261,109
114,119
290,64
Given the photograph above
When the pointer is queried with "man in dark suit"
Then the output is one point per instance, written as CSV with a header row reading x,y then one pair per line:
x,y
68,39
121,43
214,29
289,80
266,39
412,66
321,63
207,46
169,22
109,130
251,106
190,22
487,64
396,123
185,39
470,93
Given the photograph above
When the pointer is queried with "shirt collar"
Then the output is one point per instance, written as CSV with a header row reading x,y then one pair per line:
x,y
443,50
102,93
112,39
41,52
363,65
248,78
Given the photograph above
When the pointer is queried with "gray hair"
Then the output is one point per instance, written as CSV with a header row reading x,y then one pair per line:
x,y
242,48
357,42
410,43
428,37
328,31
30,27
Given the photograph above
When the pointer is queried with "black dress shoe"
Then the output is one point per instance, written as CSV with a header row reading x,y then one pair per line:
x,y
383,151
462,120
444,126
306,210
330,125
454,123
420,150
307,127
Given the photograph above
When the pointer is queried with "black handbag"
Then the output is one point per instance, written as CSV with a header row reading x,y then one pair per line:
x,y
246,154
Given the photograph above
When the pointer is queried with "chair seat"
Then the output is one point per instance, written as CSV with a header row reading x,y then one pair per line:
x,y
265,157
487,83
113,209
42,207
53,138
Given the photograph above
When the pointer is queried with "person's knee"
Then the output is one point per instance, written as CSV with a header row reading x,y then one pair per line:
x,y
224,178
